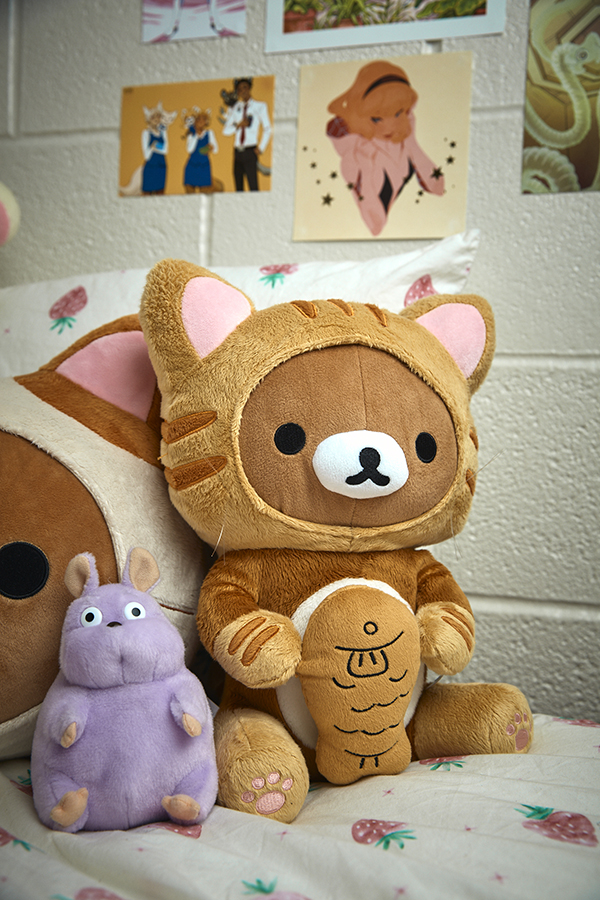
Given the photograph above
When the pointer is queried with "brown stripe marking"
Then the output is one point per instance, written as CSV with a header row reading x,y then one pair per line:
x,y
186,425
471,478
467,638
474,438
461,615
305,307
378,313
341,304
256,644
185,476
240,636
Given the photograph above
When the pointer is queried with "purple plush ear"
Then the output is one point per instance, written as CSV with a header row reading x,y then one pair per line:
x,y
81,576
210,310
461,328
116,368
141,570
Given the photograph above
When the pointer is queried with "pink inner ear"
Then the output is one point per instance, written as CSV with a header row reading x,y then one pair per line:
x,y
211,310
461,329
116,368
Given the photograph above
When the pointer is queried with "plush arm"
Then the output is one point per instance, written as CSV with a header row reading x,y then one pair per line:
x,y
67,719
257,647
445,620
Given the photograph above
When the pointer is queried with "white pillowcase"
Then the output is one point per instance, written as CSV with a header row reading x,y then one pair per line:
x,y
38,321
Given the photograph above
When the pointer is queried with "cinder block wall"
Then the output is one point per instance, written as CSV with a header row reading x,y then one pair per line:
x,y
528,558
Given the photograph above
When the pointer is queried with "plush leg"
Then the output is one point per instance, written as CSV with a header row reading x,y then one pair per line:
x,y
462,719
261,768
193,797
70,808
182,809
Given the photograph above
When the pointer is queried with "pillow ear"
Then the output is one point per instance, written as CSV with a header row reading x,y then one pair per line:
x,y
464,325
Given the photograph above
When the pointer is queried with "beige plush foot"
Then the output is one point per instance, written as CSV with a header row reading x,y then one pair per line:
x,y
181,807
261,768
70,807
460,719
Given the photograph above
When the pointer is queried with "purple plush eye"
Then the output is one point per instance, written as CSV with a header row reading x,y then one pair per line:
x,y
134,611
90,616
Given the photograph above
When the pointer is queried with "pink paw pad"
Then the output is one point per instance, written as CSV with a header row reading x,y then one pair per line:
x,y
521,734
271,801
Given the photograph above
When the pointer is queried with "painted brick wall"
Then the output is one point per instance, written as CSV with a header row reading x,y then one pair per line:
x,y
528,558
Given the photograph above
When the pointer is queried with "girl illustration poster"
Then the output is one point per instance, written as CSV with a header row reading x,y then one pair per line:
x,y
383,153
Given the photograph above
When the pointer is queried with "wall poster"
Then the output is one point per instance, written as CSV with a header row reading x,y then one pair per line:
x,y
197,136
383,148
316,24
185,20
561,141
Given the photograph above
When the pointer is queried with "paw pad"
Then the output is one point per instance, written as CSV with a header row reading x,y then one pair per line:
x,y
270,801
521,730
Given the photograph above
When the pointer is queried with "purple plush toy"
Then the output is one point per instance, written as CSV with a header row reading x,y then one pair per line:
x,y
125,733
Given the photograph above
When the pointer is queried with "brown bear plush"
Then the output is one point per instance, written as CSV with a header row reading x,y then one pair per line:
x,y
79,472
317,446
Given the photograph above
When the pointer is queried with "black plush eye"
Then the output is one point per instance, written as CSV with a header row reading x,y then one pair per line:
x,y
24,570
290,438
426,447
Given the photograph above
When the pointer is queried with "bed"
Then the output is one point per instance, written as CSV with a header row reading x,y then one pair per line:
x,y
476,827
456,827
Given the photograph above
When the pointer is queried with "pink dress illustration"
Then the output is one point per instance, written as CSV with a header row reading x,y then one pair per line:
x,y
374,132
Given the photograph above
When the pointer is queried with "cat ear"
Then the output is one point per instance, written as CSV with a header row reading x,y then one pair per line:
x,y
210,310
186,313
464,324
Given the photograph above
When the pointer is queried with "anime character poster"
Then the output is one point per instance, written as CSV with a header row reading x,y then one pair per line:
x,y
312,24
185,20
383,148
561,141
197,137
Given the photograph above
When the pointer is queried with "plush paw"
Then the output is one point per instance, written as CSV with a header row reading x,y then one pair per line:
x,y
70,807
267,794
520,730
181,808
447,637
260,649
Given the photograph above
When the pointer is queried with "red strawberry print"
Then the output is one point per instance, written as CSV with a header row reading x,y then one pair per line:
x,y
65,308
442,762
573,828
377,831
422,287
7,838
586,723
275,274
193,831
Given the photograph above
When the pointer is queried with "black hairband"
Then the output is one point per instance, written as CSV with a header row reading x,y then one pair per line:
x,y
385,79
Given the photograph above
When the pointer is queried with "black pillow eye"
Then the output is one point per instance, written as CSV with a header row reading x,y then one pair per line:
x,y
290,438
24,570
426,447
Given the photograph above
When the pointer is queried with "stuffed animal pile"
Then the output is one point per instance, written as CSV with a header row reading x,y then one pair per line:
x,y
80,472
317,446
125,733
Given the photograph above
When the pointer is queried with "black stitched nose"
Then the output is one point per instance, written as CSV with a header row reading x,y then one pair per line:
x,y
112,624
369,459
